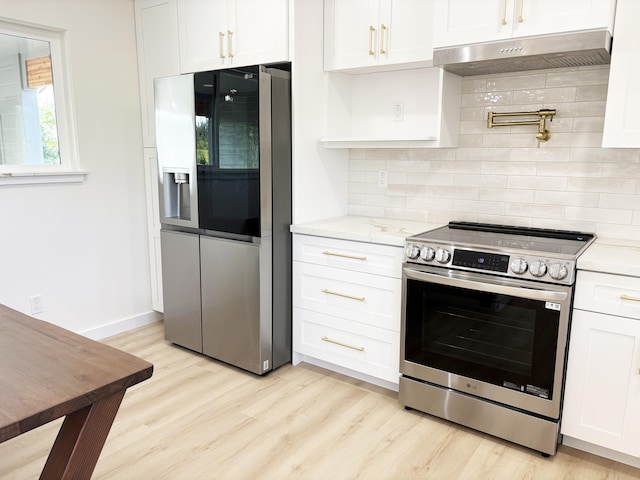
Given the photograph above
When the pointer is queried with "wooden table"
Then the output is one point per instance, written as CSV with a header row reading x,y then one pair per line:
x,y
47,372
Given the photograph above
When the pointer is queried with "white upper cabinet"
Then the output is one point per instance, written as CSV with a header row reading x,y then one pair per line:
x,y
458,22
371,33
621,122
157,42
218,34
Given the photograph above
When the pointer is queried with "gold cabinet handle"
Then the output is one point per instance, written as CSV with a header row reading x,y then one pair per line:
x,y
229,43
371,32
630,298
353,347
383,29
343,255
345,295
504,12
520,19
220,47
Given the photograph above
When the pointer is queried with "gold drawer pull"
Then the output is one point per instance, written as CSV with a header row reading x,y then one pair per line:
x,y
383,30
229,43
627,297
220,39
344,255
353,347
345,295
371,32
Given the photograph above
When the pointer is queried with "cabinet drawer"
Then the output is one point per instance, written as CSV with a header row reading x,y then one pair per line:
x,y
607,293
362,348
357,256
360,297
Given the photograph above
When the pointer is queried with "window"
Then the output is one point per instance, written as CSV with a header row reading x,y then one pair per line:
x,y
37,135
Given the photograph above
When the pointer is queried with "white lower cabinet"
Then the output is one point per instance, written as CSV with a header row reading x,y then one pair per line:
x,y
346,299
602,393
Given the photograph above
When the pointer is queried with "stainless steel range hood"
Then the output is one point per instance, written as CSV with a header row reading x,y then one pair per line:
x,y
573,49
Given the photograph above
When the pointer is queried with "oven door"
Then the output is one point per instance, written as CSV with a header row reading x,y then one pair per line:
x,y
491,337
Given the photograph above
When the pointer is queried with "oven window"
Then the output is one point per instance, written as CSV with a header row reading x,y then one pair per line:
x,y
499,339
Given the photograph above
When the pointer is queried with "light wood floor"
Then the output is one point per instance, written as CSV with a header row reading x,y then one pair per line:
x,y
200,419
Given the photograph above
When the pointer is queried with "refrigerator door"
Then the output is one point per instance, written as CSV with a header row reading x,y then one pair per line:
x,y
181,288
229,136
236,311
175,131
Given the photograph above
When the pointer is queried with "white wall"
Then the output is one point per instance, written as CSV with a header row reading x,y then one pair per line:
x,y
500,175
320,175
83,246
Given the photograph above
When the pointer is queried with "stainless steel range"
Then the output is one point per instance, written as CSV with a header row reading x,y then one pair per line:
x,y
485,321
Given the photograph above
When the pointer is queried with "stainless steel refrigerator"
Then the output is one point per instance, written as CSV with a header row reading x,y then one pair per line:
x,y
224,167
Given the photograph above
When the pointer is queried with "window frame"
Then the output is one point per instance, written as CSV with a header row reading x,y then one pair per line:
x,y
69,168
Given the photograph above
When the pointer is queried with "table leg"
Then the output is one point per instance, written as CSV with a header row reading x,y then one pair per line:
x,y
80,440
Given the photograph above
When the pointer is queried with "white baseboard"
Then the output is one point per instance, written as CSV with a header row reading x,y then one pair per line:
x,y
601,451
298,357
120,326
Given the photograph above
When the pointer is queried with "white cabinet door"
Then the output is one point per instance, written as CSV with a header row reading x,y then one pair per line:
x,y
621,122
350,33
153,226
461,22
202,29
368,33
218,34
602,391
540,17
157,44
260,31
458,22
403,37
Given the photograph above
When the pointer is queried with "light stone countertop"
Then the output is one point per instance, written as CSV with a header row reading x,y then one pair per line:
x,y
608,255
384,231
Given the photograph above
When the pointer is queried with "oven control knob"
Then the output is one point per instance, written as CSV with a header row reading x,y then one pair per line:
x,y
538,268
442,255
558,271
427,254
412,251
519,265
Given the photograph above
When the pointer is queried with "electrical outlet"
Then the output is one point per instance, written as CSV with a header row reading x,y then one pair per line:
x,y
36,304
398,111
382,178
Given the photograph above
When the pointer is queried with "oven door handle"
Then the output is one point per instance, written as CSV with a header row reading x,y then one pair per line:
x,y
488,284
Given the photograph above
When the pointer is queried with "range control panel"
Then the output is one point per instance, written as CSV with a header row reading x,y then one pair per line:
x,y
516,264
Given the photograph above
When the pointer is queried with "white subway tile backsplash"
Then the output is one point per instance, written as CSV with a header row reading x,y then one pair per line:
x,y
545,95
502,175
474,206
583,76
519,82
486,181
474,85
599,215
535,211
570,169
608,200
540,154
453,192
537,182
504,195
509,168
455,167
473,113
621,170
602,185
587,93
486,98
567,198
